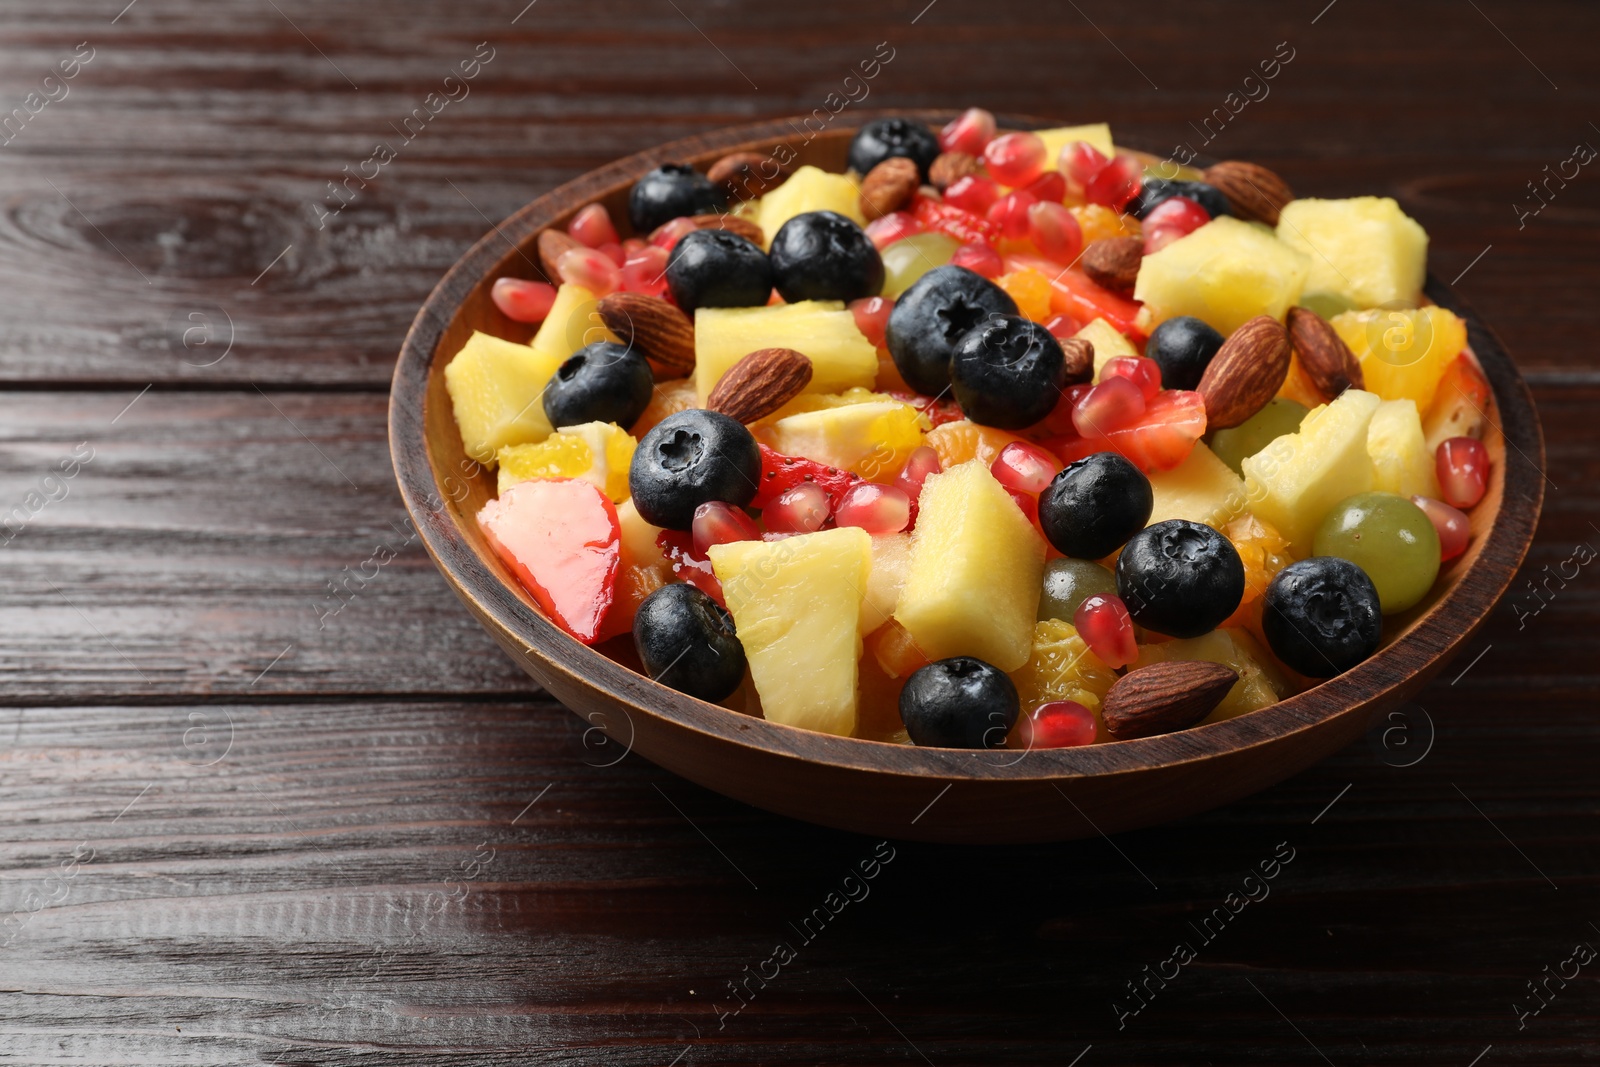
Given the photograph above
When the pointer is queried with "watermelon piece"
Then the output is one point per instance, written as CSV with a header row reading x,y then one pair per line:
x,y
562,540
780,472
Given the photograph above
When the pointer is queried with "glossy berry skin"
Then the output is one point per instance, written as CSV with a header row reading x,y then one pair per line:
x,y
922,463
969,132
1115,404
959,702
1451,524
688,459
523,301
932,317
1462,464
1180,578
1068,583
801,508
672,191
1055,232
1058,724
716,523
1008,372
1183,348
1015,159
1117,184
687,642
872,317
1156,190
1024,467
884,139
602,382
1389,538
1321,616
1144,373
821,255
719,269
1092,507
1102,620
1081,161
973,193
877,509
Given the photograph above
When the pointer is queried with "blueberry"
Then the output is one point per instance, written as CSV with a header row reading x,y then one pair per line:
x,y
884,139
1095,505
1321,616
686,641
959,702
1155,190
692,458
1183,348
821,255
718,269
602,382
1180,578
671,191
932,316
1008,372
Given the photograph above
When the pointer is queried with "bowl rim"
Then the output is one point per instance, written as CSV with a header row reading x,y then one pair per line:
x,y
1430,641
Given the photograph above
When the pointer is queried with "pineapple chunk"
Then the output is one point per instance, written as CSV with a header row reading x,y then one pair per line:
x,y
891,562
1403,354
796,604
824,330
1108,343
872,439
976,568
1365,251
1295,481
1061,667
1402,462
810,189
497,392
1259,683
1225,273
597,452
1201,489
571,324
1098,134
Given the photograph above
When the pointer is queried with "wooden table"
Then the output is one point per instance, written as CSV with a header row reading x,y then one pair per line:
x,y
271,796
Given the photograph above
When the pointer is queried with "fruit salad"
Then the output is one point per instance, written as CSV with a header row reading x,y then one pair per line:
x,y
995,439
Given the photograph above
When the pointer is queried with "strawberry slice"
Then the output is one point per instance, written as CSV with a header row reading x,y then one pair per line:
x,y
780,472
1074,293
1161,439
561,538
952,221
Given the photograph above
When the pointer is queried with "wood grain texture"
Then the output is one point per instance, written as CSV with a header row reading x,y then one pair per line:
x,y
292,902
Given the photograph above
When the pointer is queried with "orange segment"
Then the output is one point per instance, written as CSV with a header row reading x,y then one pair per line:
x,y
957,442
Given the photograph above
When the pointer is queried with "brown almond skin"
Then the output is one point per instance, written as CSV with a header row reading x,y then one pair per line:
x,y
1247,371
760,383
1080,360
1163,697
656,328
1253,191
888,187
747,174
1324,356
950,167
551,244
1114,262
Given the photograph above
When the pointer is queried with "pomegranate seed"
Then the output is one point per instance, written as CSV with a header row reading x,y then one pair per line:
x,y
922,462
1145,373
801,509
973,193
1049,186
1170,220
1062,327
1024,467
1015,159
1080,162
1054,231
1116,184
1010,213
615,252
1028,504
592,227
633,246
893,227
1058,724
1058,423
1462,464
716,523
523,301
970,132
591,269
1111,405
877,509
1452,524
1102,621
980,259
673,232
872,317
646,271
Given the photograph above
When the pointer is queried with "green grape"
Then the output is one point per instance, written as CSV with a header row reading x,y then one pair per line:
x,y
1234,446
911,257
1391,539
1327,305
1068,583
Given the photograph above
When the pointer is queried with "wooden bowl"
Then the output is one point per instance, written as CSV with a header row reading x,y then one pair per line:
x,y
899,791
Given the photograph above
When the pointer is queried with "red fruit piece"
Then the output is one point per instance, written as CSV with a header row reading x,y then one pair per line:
x,y
1015,159
1024,467
951,221
1010,214
877,509
922,462
1050,187
1081,161
672,232
561,538
1452,525
780,473
523,301
872,317
1055,232
1145,373
717,523
687,564
1103,622
1116,184
970,132
593,227
895,226
1170,220
1062,327
1110,406
1462,464
973,193
645,271
1074,293
1160,440
801,508
980,259
1058,724
591,269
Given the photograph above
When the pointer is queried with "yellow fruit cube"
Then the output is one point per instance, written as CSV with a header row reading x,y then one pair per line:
x,y
871,439
1097,134
1061,667
1259,683
1403,353
597,452
1296,480
976,568
796,605
824,330
1364,251
1402,462
1108,342
1201,489
810,189
497,392
891,562
1225,273
572,323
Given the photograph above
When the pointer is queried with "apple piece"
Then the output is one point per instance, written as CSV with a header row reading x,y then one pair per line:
x,y
561,538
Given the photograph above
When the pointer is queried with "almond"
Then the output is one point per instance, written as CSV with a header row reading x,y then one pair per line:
x,y
889,187
1114,262
1253,191
1247,371
1324,356
747,173
1163,697
760,384
950,167
552,243
656,328
1080,360
732,223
